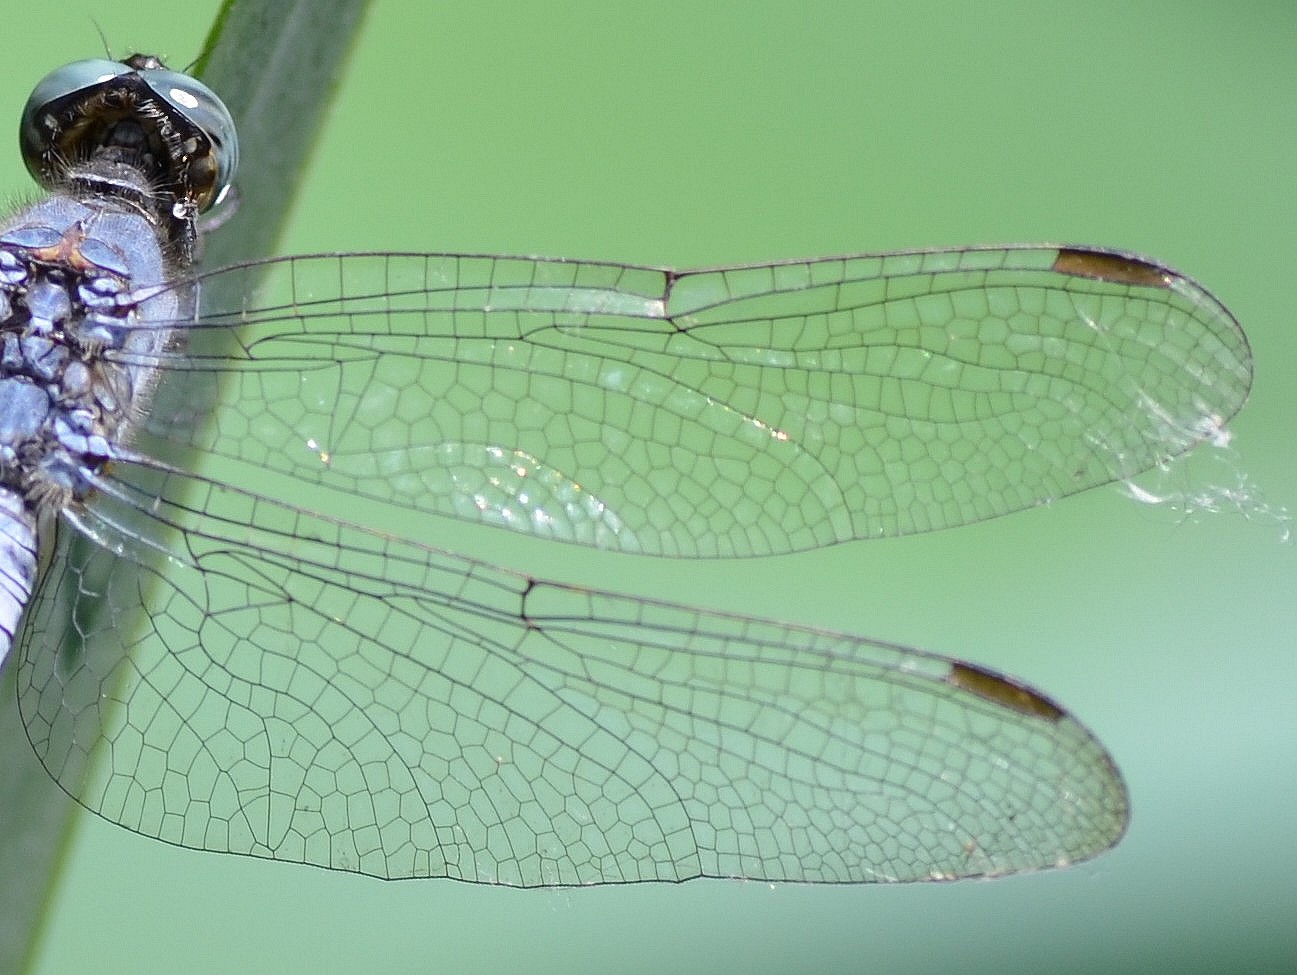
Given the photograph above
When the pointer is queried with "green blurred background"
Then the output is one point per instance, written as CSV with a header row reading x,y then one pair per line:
x,y
666,132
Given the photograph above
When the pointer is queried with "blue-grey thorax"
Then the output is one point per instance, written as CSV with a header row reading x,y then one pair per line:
x,y
79,285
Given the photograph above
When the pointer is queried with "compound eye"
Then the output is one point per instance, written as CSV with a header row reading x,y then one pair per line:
x,y
201,106
39,127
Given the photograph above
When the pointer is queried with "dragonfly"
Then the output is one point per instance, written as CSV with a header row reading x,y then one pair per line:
x,y
275,656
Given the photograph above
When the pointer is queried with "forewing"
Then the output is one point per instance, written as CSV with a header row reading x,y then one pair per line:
x,y
725,412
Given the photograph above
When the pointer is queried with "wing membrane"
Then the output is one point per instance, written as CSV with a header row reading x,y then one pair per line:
x,y
267,681
723,412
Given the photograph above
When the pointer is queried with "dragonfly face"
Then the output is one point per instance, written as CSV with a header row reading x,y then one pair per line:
x,y
203,641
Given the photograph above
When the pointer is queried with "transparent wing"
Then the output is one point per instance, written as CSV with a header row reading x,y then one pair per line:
x,y
726,412
252,678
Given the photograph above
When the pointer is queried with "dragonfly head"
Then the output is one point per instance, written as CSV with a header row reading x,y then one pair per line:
x,y
96,122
